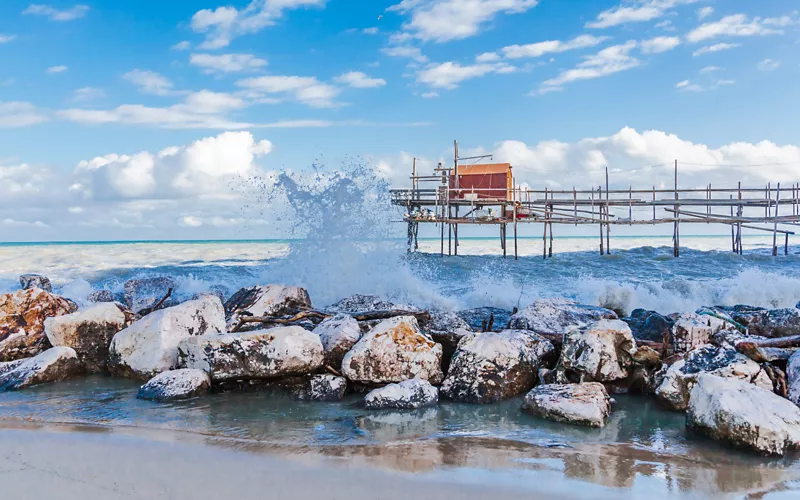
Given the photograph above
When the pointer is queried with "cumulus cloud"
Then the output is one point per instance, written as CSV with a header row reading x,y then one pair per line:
x,y
57,69
769,65
184,45
704,12
20,114
404,51
53,14
660,44
359,80
635,12
446,20
305,89
552,46
606,62
449,75
149,82
227,63
740,25
710,49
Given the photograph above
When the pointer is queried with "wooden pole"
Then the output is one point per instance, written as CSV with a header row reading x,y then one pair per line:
x,y
458,191
608,220
676,237
544,235
733,231
600,206
514,199
775,224
550,251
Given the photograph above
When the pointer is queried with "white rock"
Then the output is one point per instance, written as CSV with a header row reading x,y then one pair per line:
x,y
691,330
744,415
327,387
793,377
150,345
338,335
267,300
89,332
491,366
776,322
52,365
393,351
406,395
175,385
261,354
365,303
557,316
582,404
602,351
22,316
35,280
681,377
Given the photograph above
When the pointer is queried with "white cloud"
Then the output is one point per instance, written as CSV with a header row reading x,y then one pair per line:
x,y
709,49
488,57
190,221
226,23
449,75
552,46
704,12
227,63
20,114
6,38
430,95
635,12
57,69
76,210
739,25
184,45
445,20
660,44
54,14
710,69
149,82
370,31
359,80
87,94
665,25
413,53
606,62
305,89
769,65
688,86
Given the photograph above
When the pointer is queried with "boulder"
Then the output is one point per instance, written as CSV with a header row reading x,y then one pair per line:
x,y
142,294
740,313
35,280
692,329
443,321
22,316
492,366
150,346
89,332
175,385
793,377
582,404
557,316
101,296
649,325
447,329
599,352
364,303
680,378
406,395
267,300
475,318
338,335
326,387
775,323
52,365
743,415
393,351
262,354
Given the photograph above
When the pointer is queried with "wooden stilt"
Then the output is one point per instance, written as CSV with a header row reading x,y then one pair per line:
x,y
775,225
550,251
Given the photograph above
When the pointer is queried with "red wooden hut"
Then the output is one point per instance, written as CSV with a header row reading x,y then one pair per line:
x,y
486,182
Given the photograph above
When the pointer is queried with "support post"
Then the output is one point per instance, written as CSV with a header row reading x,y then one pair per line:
x,y
676,233
775,223
600,206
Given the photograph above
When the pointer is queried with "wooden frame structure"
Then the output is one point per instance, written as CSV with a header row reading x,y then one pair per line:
x,y
595,206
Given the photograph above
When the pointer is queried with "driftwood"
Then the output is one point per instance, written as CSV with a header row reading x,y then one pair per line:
x,y
765,354
778,378
333,370
285,321
491,323
791,341
557,339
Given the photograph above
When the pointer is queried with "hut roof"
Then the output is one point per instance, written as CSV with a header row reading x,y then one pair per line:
x,y
483,169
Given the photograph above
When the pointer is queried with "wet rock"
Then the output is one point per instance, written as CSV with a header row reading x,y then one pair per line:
x,y
492,366
406,395
150,346
266,300
22,316
365,303
680,378
326,387
582,404
449,341
393,351
599,352
443,321
89,332
742,314
142,294
743,415
691,330
557,316
101,296
476,317
52,365
338,335
775,323
35,280
261,354
649,325
175,385
793,378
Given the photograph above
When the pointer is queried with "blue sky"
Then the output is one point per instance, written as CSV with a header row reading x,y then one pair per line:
x,y
121,120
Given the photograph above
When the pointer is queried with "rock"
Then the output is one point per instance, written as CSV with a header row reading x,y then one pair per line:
x,y
744,415
581,404
364,303
649,325
449,341
175,385
793,378
599,352
261,354
89,332
267,300
52,365
393,351
338,335
492,366
406,395
740,313
476,317
557,316
35,280
775,323
142,294
150,346
680,378
327,388
101,296
443,321
691,330
22,316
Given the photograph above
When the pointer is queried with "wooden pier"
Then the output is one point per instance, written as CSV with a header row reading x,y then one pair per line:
x,y
487,194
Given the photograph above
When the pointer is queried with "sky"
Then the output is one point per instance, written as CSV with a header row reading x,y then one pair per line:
x,y
137,119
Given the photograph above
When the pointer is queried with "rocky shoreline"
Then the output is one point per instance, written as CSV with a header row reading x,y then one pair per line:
x,y
734,371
